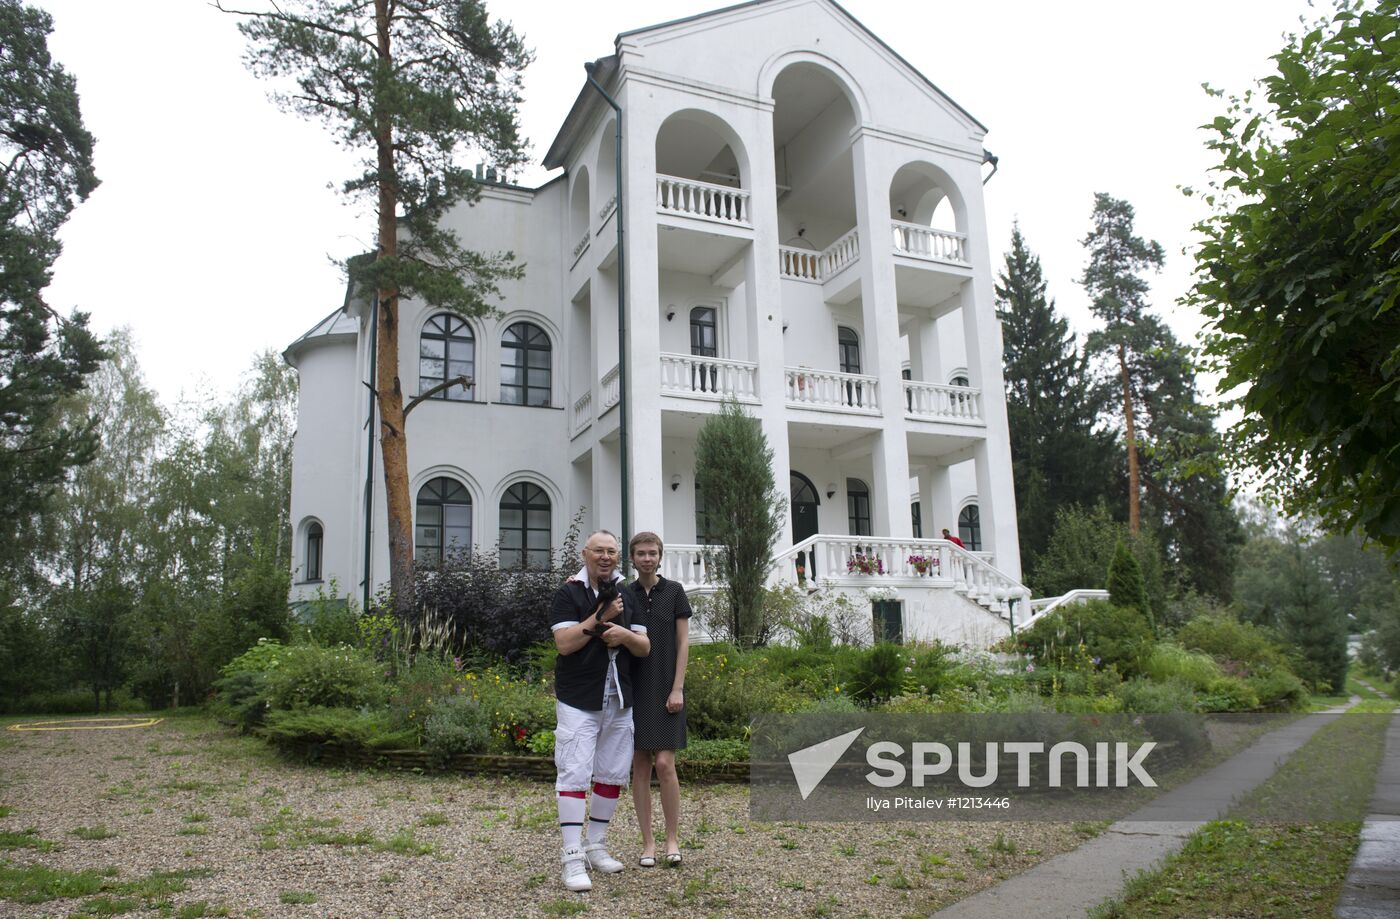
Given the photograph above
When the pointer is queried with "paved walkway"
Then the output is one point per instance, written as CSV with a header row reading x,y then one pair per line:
x,y
1372,888
1068,885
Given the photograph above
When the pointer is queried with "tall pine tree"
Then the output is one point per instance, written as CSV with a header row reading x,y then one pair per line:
x,y
1057,458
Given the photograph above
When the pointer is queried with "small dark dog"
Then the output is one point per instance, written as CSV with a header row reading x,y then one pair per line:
x,y
606,595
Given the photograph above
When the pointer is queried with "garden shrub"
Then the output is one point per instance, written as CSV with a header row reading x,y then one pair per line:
x,y
834,704
1143,695
329,620
417,689
723,690
518,709
241,698
1169,661
306,675
879,674
1114,635
813,671
260,658
349,726
722,750
1227,694
1241,648
1279,688
458,724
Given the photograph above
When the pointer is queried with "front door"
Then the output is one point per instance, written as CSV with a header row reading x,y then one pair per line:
x,y
804,519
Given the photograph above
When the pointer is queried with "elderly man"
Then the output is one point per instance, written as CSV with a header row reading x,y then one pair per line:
x,y
594,624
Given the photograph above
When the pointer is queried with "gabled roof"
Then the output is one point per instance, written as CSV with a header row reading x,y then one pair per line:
x,y
607,68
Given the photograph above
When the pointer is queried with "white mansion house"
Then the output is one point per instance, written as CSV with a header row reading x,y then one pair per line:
x,y
804,232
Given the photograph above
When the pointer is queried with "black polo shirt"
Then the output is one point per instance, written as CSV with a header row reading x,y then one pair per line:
x,y
580,678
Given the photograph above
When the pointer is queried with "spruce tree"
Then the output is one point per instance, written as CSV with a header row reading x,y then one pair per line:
x,y
1057,458
1126,587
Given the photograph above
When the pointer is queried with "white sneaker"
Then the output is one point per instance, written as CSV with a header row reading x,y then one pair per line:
x,y
575,873
599,858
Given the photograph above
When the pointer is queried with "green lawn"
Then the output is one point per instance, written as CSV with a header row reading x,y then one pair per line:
x,y
1243,867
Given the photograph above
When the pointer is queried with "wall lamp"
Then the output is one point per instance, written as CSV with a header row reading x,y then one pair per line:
x,y
670,313
830,489
675,481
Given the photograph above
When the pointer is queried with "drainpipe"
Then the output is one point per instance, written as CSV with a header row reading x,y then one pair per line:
x,y
989,157
369,447
621,317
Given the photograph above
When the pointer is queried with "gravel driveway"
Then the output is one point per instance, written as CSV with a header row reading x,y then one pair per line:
x,y
183,818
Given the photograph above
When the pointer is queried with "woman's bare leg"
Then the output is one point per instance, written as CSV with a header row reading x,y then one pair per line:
x,y
670,797
641,799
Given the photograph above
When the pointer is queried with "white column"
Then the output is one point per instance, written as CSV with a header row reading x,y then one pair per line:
x,y
643,317
939,509
880,343
996,491
764,310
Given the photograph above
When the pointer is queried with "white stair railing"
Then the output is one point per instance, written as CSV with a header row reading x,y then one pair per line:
x,y
583,414
808,265
701,199
690,565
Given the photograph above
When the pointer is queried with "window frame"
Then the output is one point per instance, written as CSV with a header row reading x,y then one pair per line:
x,y
520,492
445,327
516,348
443,545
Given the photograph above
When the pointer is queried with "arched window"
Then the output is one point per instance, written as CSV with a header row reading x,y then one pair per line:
x,y
970,527
960,380
525,527
858,507
849,347
315,538
443,520
447,349
525,365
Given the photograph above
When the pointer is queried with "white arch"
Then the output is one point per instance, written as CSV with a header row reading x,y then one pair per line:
x,y
773,67
925,196
714,121
556,496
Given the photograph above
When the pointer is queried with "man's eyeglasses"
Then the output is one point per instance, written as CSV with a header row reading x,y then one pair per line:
x,y
605,553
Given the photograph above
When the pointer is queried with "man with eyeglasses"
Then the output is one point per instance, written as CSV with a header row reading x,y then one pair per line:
x,y
594,624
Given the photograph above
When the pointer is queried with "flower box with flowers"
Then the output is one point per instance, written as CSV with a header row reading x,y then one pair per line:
x,y
923,564
864,564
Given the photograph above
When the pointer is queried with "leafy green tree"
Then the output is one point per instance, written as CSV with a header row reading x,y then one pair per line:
x,y
1081,551
744,511
1298,275
1118,297
1363,579
1280,584
409,84
43,357
1057,458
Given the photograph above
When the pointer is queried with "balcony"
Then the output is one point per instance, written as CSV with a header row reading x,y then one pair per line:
x,y
921,242
582,415
610,389
708,378
829,390
934,402
808,265
580,247
703,201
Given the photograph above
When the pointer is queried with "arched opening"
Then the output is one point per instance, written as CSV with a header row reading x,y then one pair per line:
x,y
313,550
579,214
970,527
812,124
804,503
927,216
526,365
605,179
857,507
700,168
446,351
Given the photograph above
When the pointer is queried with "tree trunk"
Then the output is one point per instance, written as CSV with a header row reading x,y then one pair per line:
x,y
1134,512
392,440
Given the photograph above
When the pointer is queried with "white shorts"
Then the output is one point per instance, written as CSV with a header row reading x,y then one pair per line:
x,y
592,746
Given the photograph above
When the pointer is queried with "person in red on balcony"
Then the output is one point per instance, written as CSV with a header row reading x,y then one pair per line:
x,y
953,539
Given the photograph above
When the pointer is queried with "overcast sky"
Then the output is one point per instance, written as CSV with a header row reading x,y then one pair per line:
x,y
213,233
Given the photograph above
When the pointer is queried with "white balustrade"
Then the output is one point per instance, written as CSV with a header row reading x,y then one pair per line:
x,y
580,247
942,403
692,566
878,561
925,242
610,388
708,378
828,389
606,211
807,265
701,199
583,414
